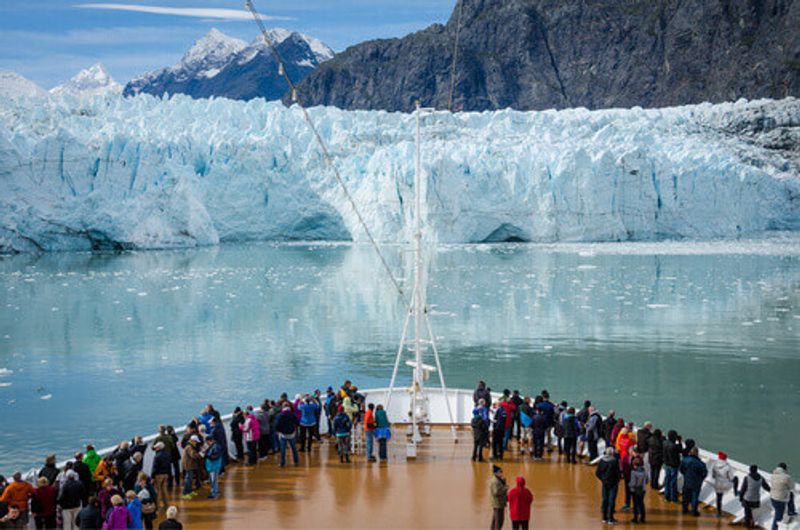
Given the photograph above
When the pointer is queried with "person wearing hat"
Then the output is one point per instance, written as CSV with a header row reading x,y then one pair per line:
x,y
724,479
191,464
161,472
499,493
519,505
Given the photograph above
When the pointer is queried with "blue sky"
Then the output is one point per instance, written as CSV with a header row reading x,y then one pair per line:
x,y
48,41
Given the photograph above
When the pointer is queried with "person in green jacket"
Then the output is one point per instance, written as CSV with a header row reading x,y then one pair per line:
x,y
91,458
499,494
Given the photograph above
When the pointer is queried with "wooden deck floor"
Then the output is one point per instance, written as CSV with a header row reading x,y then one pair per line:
x,y
442,488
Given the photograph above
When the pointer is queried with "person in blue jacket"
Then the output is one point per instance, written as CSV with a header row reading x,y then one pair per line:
x,y
213,462
694,471
286,426
218,433
341,428
308,422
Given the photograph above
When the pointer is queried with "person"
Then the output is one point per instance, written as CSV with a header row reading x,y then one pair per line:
x,y
383,431
191,465
558,428
84,475
130,470
171,522
538,427
121,454
176,457
350,406
780,493
608,472
583,418
643,438
519,505
213,463
624,446
499,493
49,471
498,430
252,433
694,471
750,494
70,497
91,458
149,499
369,431
330,406
217,432
638,486
9,517
517,401
161,471
237,420
481,393
341,428
135,510
16,495
308,420
483,410
608,426
262,415
549,411
593,432
525,412
724,479
43,505
104,496
89,516
119,518
286,427
672,460
655,455
572,428
138,445
480,436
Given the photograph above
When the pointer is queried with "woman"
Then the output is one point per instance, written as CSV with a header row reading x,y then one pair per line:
x,y
625,449
118,517
383,431
147,495
213,464
89,516
655,453
750,494
724,479
638,486
105,496
103,471
43,505
236,432
252,433
135,510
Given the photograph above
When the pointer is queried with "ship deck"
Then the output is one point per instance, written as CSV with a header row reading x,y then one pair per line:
x,y
441,488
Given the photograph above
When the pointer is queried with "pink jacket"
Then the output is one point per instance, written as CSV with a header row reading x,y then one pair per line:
x,y
250,429
118,519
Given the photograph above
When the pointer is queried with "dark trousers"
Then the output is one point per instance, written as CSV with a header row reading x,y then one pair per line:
x,y
571,449
252,453
690,496
779,507
655,475
176,472
517,426
497,514
306,436
519,525
592,449
609,500
497,443
638,506
263,445
382,449
283,442
627,494
748,514
45,523
477,450
239,444
538,445
671,484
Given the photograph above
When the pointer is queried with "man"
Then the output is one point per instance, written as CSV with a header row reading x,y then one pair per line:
x,y
498,430
694,472
161,471
499,494
781,493
539,428
526,414
549,413
17,495
84,475
519,505
286,426
49,471
331,404
608,472
171,522
517,400
69,498
130,471
643,438
593,426
341,429
672,460
511,412
218,433
213,463
481,393
607,428
369,430
480,436
308,420
262,415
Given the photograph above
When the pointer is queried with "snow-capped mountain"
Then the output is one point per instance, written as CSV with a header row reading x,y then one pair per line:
x,y
13,85
222,66
92,81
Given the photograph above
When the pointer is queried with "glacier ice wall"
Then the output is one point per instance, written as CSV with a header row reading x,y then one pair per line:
x,y
143,172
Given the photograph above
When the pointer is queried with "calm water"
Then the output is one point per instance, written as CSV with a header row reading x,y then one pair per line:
x,y
703,337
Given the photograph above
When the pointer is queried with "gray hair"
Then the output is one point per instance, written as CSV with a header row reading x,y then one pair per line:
x,y
172,512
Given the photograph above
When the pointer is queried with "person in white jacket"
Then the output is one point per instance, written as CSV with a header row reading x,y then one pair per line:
x,y
724,479
781,493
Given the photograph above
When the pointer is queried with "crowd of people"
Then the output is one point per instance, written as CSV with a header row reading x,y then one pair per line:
x,y
115,492
632,457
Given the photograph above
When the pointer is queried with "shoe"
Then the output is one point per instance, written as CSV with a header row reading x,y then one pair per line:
x,y
696,514
193,494
211,497
372,459
187,497
605,521
625,508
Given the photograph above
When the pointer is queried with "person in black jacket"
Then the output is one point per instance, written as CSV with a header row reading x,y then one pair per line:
x,y
481,393
69,498
49,471
84,475
608,427
655,455
480,436
236,434
608,472
89,516
672,461
161,471
517,400
130,470
286,426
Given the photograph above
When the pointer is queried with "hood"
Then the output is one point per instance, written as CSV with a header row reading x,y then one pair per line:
x,y
520,482
608,458
780,471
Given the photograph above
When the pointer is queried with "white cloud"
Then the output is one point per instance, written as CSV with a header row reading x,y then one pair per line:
x,y
199,12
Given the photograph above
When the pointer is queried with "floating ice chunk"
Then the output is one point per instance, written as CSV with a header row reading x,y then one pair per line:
x,y
160,328
658,306
475,306
43,361
754,359
548,347
53,309
747,323
6,371
128,318
119,371
4,385
586,267
46,397
141,294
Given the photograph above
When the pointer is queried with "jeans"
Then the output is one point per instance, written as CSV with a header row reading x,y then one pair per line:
x,y
690,495
187,481
570,448
238,443
671,484
306,437
609,500
538,445
252,453
213,477
382,448
370,443
507,436
655,475
592,449
638,506
176,472
282,441
780,508
477,450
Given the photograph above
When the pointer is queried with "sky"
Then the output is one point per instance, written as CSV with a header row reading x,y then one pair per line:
x,y
49,41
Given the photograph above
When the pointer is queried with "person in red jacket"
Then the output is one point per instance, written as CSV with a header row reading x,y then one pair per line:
x,y
519,505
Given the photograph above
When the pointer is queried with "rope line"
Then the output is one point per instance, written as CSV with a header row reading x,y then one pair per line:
x,y
325,153
455,57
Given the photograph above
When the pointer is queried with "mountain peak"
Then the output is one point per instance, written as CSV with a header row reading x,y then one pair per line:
x,y
209,52
13,85
93,81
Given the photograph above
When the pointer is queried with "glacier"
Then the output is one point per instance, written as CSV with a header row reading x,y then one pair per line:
x,y
95,173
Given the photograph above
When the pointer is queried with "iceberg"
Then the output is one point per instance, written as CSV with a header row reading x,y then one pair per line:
x,y
83,173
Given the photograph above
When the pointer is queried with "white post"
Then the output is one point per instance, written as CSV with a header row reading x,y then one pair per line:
x,y
417,385
441,379
397,359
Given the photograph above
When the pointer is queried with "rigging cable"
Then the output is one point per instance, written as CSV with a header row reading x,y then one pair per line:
x,y
325,153
455,57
